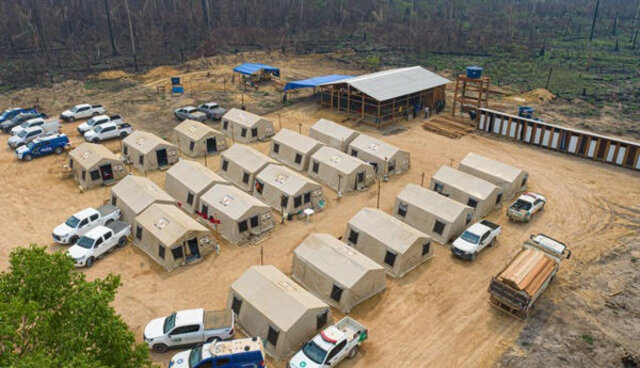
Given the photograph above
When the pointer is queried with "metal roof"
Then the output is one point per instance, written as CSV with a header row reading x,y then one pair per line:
x,y
393,83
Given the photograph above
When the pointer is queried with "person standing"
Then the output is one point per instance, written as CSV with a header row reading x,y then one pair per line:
x,y
426,112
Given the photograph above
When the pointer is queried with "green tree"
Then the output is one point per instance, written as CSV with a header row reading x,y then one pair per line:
x,y
51,316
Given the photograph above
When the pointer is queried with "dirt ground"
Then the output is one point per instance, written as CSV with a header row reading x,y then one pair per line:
x,y
437,315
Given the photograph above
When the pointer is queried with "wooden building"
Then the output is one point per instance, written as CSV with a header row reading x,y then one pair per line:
x,y
582,143
381,98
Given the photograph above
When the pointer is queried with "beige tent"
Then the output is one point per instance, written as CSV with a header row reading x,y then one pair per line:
x,y
340,171
333,134
512,180
467,189
246,127
293,149
336,273
94,165
147,151
440,217
240,164
171,237
283,188
396,246
376,152
273,307
134,194
195,139
241,216
187,181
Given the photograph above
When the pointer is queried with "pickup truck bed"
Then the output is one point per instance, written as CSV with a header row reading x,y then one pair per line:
x,y
217,319
117,226
350,327
106,209
489,224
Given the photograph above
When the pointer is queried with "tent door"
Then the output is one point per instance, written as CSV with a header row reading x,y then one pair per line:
x,y
375,166
360,180
106,172
194,251
212,146
162,158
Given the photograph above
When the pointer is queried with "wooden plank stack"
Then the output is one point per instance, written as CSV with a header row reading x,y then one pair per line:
x,y
528,271
447,126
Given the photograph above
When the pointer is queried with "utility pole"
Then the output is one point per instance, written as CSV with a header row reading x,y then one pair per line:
x,y
595,17
378,201
422,180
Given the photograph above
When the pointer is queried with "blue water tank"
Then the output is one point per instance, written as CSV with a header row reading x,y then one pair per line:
x,y
175,80
525,112
474,71
177,90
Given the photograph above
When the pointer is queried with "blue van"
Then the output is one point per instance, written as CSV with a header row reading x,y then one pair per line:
x,y
43,146
240,353
9,114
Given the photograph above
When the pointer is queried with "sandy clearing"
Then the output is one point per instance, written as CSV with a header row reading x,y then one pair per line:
x,y
437,315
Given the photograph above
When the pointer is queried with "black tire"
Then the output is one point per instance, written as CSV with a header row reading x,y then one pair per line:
x,y
352,354
542,208
58,150
95,113
28,157
159,348
493,241
72,119
73,240
123,135
212,339
89,262
122,241
473,256
95,140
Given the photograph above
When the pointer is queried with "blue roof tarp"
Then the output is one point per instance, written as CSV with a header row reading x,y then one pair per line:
x,y
315,81
252,68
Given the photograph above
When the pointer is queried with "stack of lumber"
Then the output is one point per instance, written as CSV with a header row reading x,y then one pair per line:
x,y
528,271
447,126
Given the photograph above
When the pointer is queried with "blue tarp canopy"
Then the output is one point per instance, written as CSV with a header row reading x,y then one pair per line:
x,y
315,81
252,68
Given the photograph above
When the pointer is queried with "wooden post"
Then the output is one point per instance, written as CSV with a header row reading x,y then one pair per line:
x,y
362,108
332,98
348,98
300,128
261,254
378,202
422,180
205,159
279,122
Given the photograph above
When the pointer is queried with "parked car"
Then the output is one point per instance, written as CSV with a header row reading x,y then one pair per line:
x,y
213,110
7,125
189,112
240,353
477,237
527,205
98,242
27,135
43,146
82,111
9,114
47,123
510,292
331,345
187,328
96,121
83,221
108,131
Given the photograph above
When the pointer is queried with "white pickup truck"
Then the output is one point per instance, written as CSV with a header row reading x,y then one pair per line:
x,y
30,134
82,111
98,242
47,124
82,222
526,206
477,237
108,131
96,121
187,328
331,345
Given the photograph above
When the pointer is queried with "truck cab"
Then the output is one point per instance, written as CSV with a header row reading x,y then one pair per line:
x,y
96,121
106,131
81,111
9,114
42,146
83,221
25,136
27,124
98,242
477,237
331,345
187,328
240,353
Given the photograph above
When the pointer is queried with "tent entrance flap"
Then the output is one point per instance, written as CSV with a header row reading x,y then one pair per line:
x,y
193,250
106,171
212,145
162,158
